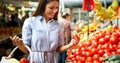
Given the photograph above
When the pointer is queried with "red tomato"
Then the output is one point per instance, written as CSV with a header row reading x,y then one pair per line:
x,y
101,59
112,53
24,60
88,54
118,46
96,61
99,46
101,40
89,59
115,34
106,54
89,48
107,37
83,59
118,51
94,43
83,53
114,47
70,56
106,45
83,48
101,52
77,58
96,57
76,36
93,51
113,39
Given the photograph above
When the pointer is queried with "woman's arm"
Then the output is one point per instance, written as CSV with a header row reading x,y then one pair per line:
x,y
68,46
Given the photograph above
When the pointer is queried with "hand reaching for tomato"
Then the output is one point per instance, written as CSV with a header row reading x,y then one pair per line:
x,y
74,40
76,36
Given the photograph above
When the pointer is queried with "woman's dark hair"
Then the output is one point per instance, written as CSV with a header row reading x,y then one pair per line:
x,y
65,15
41,8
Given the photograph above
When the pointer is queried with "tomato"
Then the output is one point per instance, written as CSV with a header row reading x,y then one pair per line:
x,y
99,46
113,39
89,48
107,33
101,52
106,50
118,33
110,47
88,54
106,45
93,51
94,43
115,34
80,59
83,48
70,56
114,47
101,40
118,46
88,43
107,37
79,62
77,58
96,61
101,59
106,54
76,36
118,51
83,53
24,60
96,57
112,53
89,59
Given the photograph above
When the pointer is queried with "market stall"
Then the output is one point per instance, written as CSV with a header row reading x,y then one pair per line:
x,y
99,39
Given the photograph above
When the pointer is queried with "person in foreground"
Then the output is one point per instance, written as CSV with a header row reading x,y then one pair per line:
x,y
42,33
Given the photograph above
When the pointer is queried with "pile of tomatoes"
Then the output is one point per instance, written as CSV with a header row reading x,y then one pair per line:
x,y
100,45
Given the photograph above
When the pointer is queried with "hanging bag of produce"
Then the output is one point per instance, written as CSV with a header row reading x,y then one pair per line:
x,y
9,58
112,59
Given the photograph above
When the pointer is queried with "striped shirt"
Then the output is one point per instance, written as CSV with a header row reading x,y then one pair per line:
x,y
42,37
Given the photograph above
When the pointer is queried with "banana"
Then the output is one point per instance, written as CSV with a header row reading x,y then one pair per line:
x,y
103,13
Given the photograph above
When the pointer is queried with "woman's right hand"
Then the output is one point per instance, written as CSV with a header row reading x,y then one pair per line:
x,y
17,41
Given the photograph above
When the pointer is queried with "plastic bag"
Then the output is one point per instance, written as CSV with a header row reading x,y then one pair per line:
x,y
9,59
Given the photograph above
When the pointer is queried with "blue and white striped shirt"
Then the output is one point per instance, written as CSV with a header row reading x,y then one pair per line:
x,y
42,36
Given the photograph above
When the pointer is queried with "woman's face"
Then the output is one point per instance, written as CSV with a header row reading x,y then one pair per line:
x,y
51,9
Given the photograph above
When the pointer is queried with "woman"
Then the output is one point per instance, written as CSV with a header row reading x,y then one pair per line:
x,y
42,33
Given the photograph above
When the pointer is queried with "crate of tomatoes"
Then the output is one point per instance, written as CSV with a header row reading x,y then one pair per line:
x,y
101,44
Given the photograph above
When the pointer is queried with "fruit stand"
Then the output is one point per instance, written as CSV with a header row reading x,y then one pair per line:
x,y
101,44
96,43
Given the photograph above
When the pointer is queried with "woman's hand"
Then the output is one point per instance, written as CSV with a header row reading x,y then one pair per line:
x,y
17,41
75,40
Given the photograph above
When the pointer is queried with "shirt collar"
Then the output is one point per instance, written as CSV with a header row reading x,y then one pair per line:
x,y
41,18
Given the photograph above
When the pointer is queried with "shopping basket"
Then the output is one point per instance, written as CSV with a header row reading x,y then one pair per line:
x,y
9,59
